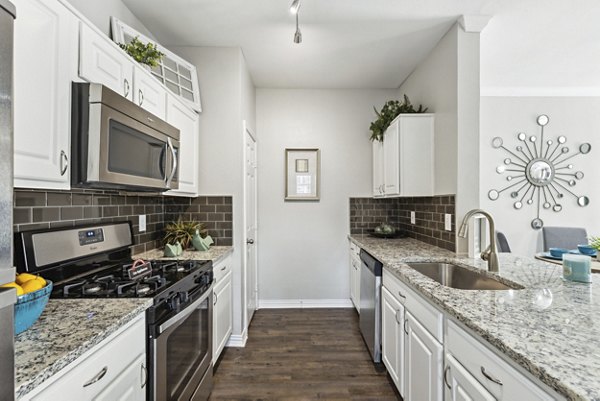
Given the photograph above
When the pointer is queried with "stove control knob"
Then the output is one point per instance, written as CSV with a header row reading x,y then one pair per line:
x,y
184,297
174,303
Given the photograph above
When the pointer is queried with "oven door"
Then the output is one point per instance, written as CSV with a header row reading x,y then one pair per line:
x,y
182,354
124,152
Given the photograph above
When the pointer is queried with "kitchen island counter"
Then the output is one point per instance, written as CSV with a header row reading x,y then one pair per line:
x,y
66,330
550,328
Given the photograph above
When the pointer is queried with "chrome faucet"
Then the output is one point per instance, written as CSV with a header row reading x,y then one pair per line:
x,y
489,254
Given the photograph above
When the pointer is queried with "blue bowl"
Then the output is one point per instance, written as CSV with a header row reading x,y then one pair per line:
x,y
586,250
558,252
30,306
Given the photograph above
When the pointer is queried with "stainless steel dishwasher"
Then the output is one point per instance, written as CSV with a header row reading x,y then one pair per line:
x,y
370,303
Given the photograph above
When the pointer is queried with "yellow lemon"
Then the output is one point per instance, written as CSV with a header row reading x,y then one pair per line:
x,y
24,277
32,285
15,285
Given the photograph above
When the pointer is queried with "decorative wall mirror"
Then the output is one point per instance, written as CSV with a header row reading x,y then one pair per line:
x,y
538,172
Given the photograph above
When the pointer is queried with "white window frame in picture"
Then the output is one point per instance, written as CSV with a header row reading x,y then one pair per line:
x,y
302,174
120,30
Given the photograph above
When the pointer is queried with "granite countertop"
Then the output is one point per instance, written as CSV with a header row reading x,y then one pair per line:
x,y
65,330
551,327
214,253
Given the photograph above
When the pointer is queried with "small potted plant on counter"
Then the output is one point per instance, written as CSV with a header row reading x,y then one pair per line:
x,y
181,235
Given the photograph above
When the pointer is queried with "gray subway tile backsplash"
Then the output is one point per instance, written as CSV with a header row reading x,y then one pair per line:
x,y
368,213
38,209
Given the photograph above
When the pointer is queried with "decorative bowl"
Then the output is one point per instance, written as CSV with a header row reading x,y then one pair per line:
x,y
586,249
30,306
558,252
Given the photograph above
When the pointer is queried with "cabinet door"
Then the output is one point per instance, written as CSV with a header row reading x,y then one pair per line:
x,y
357,284
424,362
222,315
378,181
391,159
392,337
149,93
352,279
181,116
45,63
130,385
416,155
461,385
101,62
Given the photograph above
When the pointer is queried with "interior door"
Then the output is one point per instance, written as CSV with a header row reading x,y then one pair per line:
x,y
251,222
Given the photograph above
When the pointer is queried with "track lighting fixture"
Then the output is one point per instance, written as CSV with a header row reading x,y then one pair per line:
x,y
295,6
297,34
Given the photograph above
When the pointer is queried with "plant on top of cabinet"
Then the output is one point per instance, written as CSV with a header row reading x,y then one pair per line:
x,y
143,53
183,232
390,110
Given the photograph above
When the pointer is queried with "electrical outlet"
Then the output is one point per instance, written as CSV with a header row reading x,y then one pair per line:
x,y
413,218
142,220
448,222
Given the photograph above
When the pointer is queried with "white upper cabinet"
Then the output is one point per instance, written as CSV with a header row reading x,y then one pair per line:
x,y
378,182
149,93
407,152
101,61
181,116
45,64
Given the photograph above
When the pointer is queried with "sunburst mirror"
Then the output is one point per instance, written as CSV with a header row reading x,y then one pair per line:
x,y
540,173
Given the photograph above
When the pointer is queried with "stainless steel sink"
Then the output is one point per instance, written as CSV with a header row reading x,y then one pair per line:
x,y
455,276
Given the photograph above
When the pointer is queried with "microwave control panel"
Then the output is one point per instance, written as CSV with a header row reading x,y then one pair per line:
x,y
93,236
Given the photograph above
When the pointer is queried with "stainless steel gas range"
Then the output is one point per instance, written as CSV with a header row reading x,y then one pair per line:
x,y
94,262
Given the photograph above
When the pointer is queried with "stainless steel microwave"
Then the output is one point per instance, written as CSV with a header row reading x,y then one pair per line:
x,y
116,144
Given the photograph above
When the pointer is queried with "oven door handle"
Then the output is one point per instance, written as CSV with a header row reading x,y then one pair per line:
x,y
184,314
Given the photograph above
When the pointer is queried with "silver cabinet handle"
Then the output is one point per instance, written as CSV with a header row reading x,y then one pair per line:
x,y
126,87
216,298
144,375
405,324
396,316
490,377
250,241
401,295
141,95
223,268
96,378
446,377
64,162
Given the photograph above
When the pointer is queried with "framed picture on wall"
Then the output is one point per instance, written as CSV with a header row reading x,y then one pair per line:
x,y
302,170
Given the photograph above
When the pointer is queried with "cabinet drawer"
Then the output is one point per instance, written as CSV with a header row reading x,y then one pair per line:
x,y
221,268
427,315
112,358
502,380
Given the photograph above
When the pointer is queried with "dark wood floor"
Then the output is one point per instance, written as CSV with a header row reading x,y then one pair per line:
x,y
301,354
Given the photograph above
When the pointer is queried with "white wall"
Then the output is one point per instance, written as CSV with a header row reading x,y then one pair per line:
x,y
303,253
575,117
227,98
433,84
99,13
447,82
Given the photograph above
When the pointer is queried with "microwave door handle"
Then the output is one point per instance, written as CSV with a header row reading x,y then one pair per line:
x,y
174,162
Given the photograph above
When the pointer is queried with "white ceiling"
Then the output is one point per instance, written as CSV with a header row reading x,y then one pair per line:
x,y
377,43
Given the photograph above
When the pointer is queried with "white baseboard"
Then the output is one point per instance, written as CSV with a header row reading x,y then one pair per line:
x,y
238,340
303,303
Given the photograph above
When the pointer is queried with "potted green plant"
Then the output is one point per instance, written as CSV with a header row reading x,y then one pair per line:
x,y
390,110
143,53
595,243
183,232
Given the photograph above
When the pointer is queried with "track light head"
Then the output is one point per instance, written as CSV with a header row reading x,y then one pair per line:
x,y
295,6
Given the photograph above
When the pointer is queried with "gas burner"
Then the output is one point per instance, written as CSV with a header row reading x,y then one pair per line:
x,y
142,289
92,289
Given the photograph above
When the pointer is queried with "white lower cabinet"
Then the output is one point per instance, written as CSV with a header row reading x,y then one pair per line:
x,y
393,338
460,385
424,363
499,378
113,370
354,271
222,306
